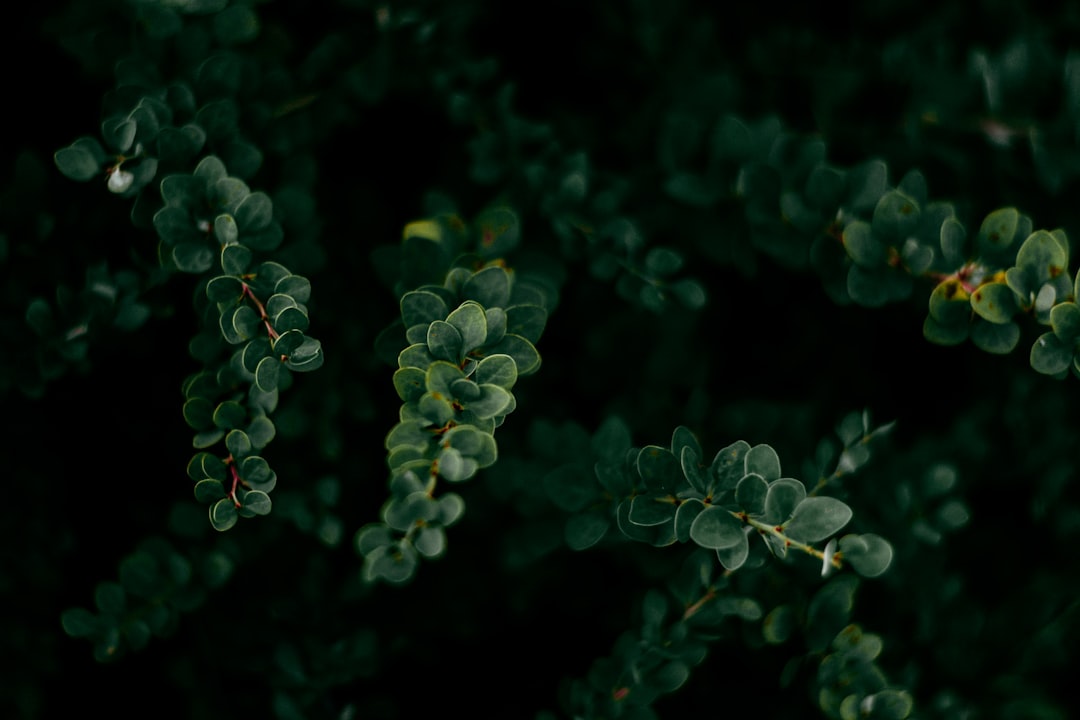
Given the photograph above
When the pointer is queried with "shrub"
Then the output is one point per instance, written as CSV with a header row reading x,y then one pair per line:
x,y
630,360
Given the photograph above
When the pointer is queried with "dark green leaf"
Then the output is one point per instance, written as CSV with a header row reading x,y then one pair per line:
x,y
521,350
295,286
223,514
528,321
254,212
238,444
489,287
230,414
267,372
208,490
79,161
257,502
995,338
652,509
895,216
225,289
193,257
235,259
80,622
586,529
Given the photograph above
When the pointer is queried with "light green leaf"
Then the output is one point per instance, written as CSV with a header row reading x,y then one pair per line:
x,y
817,518
869,554
715,528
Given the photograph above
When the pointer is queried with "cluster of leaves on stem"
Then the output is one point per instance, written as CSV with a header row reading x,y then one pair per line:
x,y
203,218
469,340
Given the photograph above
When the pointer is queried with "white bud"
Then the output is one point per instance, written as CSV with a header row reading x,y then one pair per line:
x,y
827,556
120,180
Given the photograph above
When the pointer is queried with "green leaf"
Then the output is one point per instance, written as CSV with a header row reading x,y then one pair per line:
x,y
999,228
444,342
995,302
734,557
994,338
687,511
80,622
895,216
952,237
409,433
779,624
430,541
193,257
206,465
295,286
869,554
257,502
762,460
226,232
493,401
611,440
289,318
267,373
950,303
230,414
490,287
81,161
1065,321
225,289
254,352
861,245
1042,257
238,444
1050,356
528,321
750,494
652,509
715,528
254,470
585,530
817,518
209,490
571,488
658,468
199,413
223,514
226,194
888,705
471,322
783,497
728,467
235,25
409,383
498,370
235,259
110,598
175,227
521,350
945,334
254,212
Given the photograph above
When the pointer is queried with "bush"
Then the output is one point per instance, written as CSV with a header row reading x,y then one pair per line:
x,y
629,360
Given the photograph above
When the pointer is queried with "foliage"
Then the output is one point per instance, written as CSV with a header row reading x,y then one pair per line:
x,y
542,360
